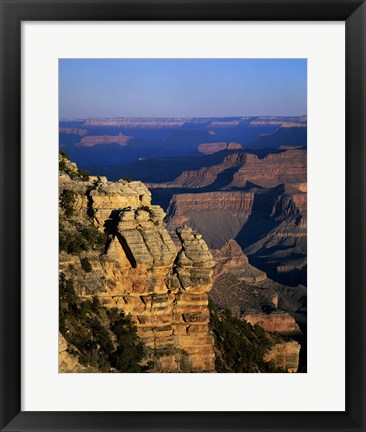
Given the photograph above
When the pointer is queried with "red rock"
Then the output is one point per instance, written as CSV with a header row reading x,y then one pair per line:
x,y
280,322
274,169
278,168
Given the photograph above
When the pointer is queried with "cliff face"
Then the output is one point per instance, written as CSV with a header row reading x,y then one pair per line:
x,y
131,264
269,224
259,202
227,212
238,202
206,175
252,297
212,148
274,169
141,271
231,259
279,322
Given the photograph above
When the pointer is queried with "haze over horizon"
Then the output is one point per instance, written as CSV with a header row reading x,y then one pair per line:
x,y
202,88
171,117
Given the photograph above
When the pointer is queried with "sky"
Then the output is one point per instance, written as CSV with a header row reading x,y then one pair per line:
x,y
181,87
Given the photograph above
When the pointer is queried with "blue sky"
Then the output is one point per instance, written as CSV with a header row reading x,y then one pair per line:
x,y
181,87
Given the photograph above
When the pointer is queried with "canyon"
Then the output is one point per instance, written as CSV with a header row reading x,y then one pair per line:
x,y
173,137
259,202
161,280
197,212
274,169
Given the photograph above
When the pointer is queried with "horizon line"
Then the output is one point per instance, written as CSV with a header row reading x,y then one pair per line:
x,y
178,117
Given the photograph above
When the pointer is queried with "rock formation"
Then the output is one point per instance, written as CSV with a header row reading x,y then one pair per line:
x,y
67,362
164,290
276,321
269,224
92,140
285,167
285,355
227,213
161,285
206,175
251,295
231,259
212,148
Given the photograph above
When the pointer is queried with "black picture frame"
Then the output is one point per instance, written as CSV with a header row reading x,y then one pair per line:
x,y
13,12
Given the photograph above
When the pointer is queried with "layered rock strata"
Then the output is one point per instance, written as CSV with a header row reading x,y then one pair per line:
x,y
163,289
231,259
277,321
285,167
227,213
206,175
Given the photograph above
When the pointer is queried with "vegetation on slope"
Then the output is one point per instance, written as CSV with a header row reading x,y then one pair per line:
x,y
75,238
239,346
65,166
100,338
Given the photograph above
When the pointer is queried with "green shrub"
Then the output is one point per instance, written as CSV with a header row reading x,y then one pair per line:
x,y
100,338
241,345
81,239
130,347
85,265
147,209
72,242
93,236
84,174
62,165
67,202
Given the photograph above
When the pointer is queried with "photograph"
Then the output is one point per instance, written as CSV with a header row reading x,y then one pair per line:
x,y
182,215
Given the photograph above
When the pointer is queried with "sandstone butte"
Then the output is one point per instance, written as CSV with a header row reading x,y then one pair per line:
x,y
162,287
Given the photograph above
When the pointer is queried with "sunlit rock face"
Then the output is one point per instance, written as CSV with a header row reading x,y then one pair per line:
x,y
163,288
285,355
276,321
